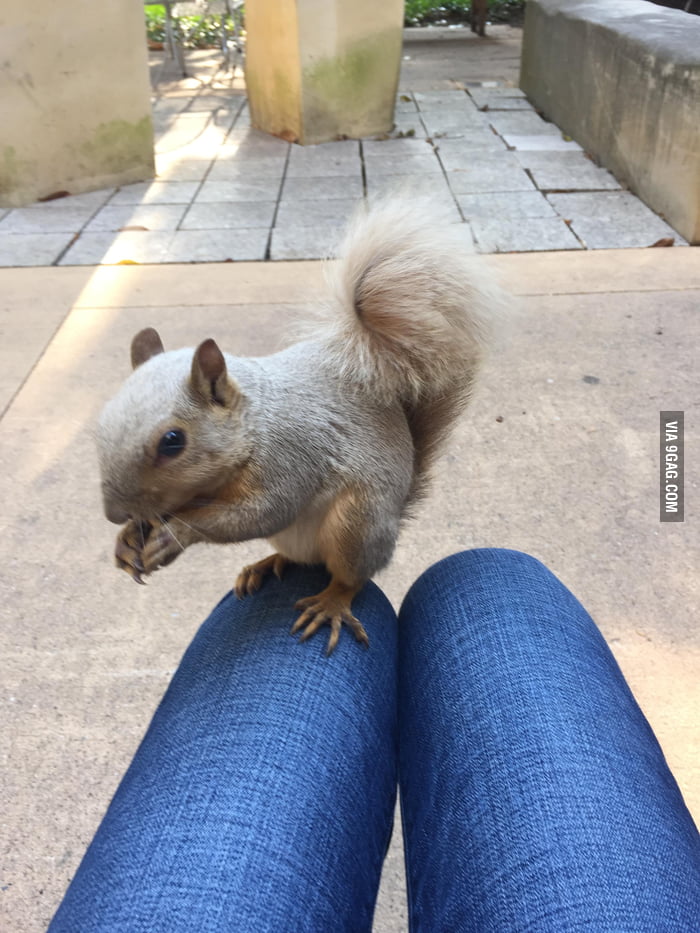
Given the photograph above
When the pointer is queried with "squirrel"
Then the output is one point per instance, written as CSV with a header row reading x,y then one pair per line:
x,y
322,447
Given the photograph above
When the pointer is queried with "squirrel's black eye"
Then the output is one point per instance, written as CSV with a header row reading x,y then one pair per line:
x,y
172,443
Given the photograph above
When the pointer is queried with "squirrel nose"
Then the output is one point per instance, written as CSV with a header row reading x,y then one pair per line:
x,y
111,502
116,514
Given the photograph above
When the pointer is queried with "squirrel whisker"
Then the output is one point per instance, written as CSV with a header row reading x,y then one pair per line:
x,y
173,535
193,528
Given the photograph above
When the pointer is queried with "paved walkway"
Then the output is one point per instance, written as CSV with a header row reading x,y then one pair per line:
x,y
226,192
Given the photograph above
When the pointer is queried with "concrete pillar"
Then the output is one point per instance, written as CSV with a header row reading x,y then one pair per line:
x,y
318,70
75,98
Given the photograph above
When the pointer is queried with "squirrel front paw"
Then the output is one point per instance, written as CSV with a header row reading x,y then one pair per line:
x,y
161,548
142,548
128,551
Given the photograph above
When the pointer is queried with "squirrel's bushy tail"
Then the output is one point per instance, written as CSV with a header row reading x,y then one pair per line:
x,y
418,312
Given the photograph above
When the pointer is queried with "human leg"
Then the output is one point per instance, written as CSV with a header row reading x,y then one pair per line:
x,y
534,793
261,798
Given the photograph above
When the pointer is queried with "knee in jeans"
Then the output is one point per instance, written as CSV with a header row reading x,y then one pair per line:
x,y
477,562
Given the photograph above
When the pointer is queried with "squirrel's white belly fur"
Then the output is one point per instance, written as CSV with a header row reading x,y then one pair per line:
x,y
300,541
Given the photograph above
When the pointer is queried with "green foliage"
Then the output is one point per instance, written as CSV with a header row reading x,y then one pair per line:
x,y
427,12
194,32
197,32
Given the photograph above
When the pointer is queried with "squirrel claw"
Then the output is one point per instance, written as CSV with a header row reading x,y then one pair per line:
x,y
330,607
250,579
134,570
128,552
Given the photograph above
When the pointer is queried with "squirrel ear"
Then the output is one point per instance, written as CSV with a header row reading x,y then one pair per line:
x,y
210,378
145,344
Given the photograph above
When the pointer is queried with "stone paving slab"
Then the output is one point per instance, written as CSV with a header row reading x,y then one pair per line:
x,y
303,242
514,205
433,186
410,124
506,103
96,248
313,162
179,246
432,101
247,244
45,218
156,192
332,212
477,143
494,97
566,171
234,170
33,249
244,138
517,235
245,187
524,123
396,147
328,187
204,216
600,218
453,122
168,169
539,142
146,216
499,171
406,104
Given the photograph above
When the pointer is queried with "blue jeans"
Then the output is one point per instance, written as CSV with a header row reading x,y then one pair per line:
x,y
534,794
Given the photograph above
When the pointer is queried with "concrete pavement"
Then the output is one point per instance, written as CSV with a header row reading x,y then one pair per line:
x,y
557,456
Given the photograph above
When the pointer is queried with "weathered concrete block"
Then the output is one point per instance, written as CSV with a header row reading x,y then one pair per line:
x,y
75,93
623,79
319,70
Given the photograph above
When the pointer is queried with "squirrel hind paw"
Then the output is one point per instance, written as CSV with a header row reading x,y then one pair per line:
x,y
329,607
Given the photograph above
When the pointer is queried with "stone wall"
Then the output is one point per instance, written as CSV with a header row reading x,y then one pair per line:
x,y
623,79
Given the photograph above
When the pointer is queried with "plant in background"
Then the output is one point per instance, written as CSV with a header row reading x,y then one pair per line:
x,y
197,32
155,23
193,32
456,12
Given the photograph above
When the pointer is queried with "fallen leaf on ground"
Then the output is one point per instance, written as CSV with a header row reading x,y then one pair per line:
x,y
55,196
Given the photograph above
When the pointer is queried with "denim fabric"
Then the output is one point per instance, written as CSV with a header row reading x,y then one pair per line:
x,y
534,794
261,798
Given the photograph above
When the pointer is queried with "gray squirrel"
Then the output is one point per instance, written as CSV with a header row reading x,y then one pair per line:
x,y
320,448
